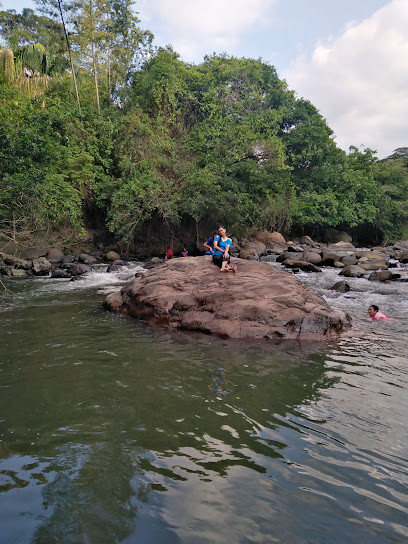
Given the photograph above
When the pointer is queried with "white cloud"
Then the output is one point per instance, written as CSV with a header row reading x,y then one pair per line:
x,y
359,81
199,27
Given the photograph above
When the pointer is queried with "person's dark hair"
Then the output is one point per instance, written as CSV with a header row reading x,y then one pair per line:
x,y
374,307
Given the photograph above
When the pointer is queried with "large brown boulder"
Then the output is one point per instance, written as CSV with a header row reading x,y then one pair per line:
x,y
257,302
312,257
54,255
252,249
270,238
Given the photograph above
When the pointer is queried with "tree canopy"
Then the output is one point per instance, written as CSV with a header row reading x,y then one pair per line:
x,y
96,123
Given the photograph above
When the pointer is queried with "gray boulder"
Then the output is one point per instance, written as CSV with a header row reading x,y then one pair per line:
x,y
79,268
60,273
381,275
349,259
41,266
353,271
87,259
55,255
329,258
307,241
17,273
252,249
312,257
15,262
341,286
302,265
401,244
341,246
68,259
112,256
403,258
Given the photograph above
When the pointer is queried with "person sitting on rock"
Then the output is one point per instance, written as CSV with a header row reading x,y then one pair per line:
x,y
184,253
209,244
221,256
375,314
169,254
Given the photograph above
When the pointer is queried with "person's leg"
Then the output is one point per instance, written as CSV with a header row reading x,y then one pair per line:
x,y
217,260
225,264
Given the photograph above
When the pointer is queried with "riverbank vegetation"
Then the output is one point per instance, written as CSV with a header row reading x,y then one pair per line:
x,y
100,130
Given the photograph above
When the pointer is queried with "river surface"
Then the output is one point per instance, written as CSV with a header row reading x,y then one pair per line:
x,y
112,431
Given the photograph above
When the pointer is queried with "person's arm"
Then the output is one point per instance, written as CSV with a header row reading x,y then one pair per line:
x,y
208,246
227,247
216,246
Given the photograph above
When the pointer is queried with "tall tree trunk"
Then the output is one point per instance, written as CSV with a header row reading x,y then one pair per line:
x,y
109,76
94,57
69,54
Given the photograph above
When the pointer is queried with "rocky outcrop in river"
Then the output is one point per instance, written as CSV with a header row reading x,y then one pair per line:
x,y
257,302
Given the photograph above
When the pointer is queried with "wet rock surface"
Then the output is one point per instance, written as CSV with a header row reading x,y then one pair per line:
x,y
257,302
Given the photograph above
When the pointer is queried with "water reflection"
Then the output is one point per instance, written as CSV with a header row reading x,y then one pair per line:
x,y
112,431
218,381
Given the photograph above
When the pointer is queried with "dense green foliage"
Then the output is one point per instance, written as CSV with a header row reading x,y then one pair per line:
x,y
139,134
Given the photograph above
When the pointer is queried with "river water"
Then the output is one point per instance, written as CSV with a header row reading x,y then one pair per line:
x,y
112,431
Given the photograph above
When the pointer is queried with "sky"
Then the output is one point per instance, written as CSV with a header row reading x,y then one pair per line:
x,y
348,57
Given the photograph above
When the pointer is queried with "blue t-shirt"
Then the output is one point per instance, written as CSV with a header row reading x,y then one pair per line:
x,y
222,244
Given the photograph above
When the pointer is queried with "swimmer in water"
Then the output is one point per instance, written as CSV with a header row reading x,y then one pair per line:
x,y
375,314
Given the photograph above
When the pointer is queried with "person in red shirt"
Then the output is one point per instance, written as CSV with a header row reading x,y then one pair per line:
x,y
169,254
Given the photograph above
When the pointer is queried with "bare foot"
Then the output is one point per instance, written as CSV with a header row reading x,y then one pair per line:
x,y
234,268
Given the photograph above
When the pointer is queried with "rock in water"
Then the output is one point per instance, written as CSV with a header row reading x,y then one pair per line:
x,y
256,302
